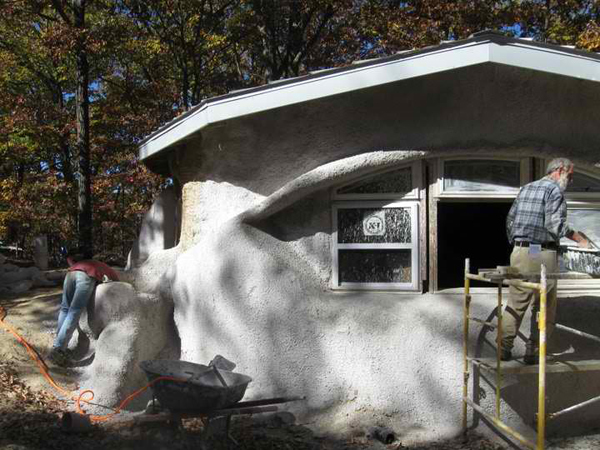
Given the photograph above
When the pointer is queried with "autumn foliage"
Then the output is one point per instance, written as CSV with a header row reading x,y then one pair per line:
x,y
148,61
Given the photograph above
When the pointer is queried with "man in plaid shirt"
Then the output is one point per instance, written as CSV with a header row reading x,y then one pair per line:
x,y
535,224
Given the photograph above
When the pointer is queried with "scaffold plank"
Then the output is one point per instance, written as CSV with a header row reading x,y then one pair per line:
x,y
552,366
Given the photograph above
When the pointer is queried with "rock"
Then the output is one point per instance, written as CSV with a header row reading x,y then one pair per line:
x,y
19,287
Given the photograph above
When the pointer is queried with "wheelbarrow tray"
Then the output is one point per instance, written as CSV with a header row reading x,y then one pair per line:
x,y
200,389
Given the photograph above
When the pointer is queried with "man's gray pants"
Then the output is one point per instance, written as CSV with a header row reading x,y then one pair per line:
x,y
521,298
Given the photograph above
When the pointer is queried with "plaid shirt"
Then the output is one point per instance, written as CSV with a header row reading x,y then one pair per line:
x,y
538,214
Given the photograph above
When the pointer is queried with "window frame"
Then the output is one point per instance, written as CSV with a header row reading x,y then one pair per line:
x,y
413,246
524,178
588,197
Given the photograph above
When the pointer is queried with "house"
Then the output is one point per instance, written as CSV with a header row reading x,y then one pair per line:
x,y
326,220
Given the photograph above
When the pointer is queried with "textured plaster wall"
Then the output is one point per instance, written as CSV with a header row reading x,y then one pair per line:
x,y
359,358
208,205
256,297
121,328
256,294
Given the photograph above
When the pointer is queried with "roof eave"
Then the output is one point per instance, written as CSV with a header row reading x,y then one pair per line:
x,y
500,50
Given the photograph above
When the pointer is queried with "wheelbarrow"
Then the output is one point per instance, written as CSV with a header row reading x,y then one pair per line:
x,y
196,390
194,387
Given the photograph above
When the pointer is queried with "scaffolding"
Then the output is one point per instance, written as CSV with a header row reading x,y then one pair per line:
x,y
504,277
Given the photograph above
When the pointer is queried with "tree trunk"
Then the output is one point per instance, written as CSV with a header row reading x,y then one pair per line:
x,y
84,223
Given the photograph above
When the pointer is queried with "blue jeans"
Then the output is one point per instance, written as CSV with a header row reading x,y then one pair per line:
x,y
78,288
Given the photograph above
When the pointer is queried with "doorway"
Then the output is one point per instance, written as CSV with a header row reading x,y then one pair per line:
x,y
474,230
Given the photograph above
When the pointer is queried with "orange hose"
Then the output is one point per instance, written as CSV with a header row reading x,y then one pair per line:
x,y
123,403
44,370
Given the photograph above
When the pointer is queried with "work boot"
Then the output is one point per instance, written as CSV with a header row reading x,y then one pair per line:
x,y
505,355
533,358
532,353
59,358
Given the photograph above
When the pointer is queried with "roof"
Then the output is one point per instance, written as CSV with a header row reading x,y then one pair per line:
x,y
483,47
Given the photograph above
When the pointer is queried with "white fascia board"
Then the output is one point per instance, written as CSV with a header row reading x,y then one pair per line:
x,y
338,82
546,60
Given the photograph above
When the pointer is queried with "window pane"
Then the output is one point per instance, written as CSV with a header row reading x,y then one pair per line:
x,y
374,226
375,266
586,220
584,183
398,181
481,175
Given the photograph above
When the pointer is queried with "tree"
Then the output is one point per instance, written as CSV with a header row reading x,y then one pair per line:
x,y
38,120
35,121
277,40
73,13
191,37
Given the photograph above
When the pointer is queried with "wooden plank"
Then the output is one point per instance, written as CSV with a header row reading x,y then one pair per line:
x,y
517,366
432,200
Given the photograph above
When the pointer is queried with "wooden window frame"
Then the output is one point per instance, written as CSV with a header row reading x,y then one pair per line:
x,y
413,246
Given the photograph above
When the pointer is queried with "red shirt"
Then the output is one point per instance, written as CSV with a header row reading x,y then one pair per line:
x,y
95,269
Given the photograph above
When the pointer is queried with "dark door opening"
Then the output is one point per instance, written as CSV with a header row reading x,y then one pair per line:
x,y
471,230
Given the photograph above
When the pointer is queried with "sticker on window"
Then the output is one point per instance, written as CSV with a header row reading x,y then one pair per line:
x,y
374,223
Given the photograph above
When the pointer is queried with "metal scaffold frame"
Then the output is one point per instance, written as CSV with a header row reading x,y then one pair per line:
x,y
507,279
495,418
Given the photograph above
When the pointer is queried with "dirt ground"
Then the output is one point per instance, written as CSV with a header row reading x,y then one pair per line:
x,y
31,409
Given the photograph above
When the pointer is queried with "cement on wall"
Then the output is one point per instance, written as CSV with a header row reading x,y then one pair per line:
x,y
120,329
360,358
358,362
208,205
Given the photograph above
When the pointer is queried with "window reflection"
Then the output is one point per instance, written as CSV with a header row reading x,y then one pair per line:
x,y
375,266
481,175
353,225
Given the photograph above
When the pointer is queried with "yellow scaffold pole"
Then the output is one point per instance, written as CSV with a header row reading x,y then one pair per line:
x,y
542,369
467,304
498,350
495,419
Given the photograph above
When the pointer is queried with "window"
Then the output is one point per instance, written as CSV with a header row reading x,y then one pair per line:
x,y
490,177
583,204
402,183
584,183
584,188
375,245
574,259
583,195
375,235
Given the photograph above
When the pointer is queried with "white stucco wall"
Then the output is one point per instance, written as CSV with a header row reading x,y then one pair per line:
x,y
359,358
